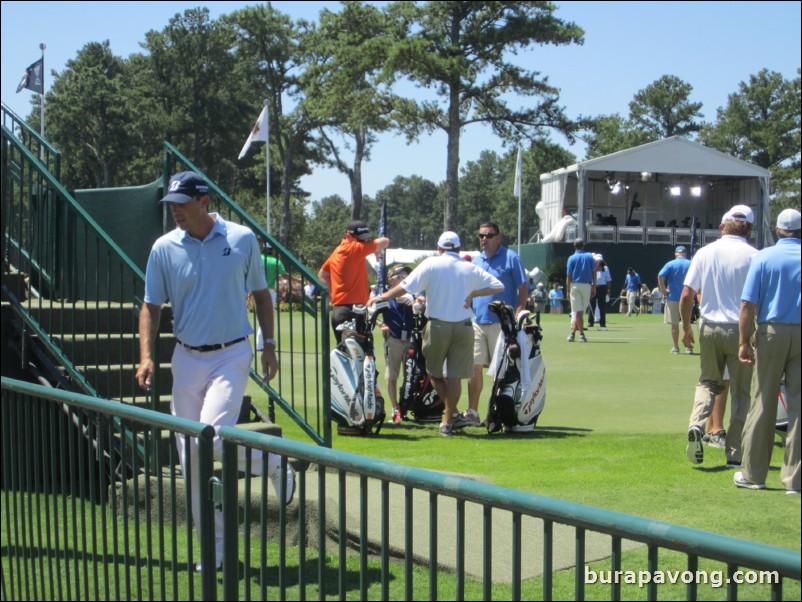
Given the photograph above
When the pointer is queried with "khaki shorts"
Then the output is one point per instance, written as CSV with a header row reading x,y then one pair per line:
x,y
580,296
671,313
395,352
450,342
484,342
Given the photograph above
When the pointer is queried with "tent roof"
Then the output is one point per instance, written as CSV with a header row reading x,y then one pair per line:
x,y
673,155
406,256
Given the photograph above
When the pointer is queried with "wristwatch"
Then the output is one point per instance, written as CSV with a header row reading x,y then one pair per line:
x,y
271,342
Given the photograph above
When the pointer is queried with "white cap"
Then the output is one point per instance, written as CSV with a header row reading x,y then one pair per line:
x,y
789,219
598,257
739,213
449,241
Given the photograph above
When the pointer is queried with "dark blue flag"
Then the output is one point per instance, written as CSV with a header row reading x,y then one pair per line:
x,y
34,78
381,275
694,241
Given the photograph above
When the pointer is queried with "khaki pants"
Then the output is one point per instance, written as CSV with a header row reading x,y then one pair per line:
x,y
718,348
777,351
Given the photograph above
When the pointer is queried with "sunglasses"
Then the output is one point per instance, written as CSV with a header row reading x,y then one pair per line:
x,y
490,235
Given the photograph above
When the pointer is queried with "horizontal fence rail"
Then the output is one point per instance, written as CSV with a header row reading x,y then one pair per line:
x,y
356,527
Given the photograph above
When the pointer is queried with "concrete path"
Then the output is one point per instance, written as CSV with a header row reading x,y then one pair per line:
x,y
597,546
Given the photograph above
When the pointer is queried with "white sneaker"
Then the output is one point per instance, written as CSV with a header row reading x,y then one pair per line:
x,y
718,439
199,565
458,421
740,481
694,450
472,417
274,472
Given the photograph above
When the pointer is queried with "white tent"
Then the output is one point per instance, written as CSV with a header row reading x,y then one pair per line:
x,y
662,184
396,256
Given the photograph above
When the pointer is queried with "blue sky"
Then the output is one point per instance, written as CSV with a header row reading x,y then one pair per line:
x,y
628,45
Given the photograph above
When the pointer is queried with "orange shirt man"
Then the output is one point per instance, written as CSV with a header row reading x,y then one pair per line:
x,y
345,272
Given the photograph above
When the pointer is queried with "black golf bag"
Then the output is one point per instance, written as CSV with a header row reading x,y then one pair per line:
x,y
417,394
519,387
357,405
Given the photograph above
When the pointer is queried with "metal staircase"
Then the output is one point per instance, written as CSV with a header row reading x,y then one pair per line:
x,y
71,295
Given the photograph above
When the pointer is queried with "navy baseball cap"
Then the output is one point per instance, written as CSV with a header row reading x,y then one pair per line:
x,y
680,249
185,186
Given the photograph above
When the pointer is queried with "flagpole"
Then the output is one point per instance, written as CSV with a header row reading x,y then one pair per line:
x,y
42,98
261,133
518,189
267,165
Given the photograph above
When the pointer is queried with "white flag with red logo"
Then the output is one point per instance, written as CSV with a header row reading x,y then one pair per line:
x,y
258,133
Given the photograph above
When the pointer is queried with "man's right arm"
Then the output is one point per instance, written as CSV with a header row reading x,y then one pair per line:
x,y
746,327
149,319
685,310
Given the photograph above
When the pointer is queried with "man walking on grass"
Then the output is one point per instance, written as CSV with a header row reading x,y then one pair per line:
x,y
772,295
718,271
670,281
580,282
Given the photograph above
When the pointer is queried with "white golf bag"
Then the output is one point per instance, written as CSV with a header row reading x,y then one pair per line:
x,y
357,405
519,386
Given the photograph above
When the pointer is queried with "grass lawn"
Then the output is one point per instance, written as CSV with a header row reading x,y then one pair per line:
x,y
612,435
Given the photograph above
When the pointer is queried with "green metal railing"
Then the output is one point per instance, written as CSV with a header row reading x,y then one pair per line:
x,y
83,516
80,298
82,293
33,140
357,528
301,387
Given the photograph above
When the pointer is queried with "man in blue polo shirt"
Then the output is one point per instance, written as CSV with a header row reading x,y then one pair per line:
x,y
771,294
580,282
504,264
632,284
670,280
205,268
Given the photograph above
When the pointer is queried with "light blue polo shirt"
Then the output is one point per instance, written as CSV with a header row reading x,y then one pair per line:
x,y
774,283
206,282
507,267
580,267
674,273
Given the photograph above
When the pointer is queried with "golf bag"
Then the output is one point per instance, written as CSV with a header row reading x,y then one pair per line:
x,y
357,405
417,393
519,386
